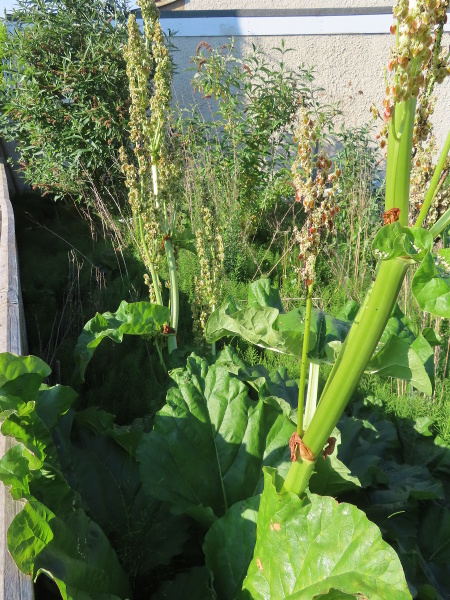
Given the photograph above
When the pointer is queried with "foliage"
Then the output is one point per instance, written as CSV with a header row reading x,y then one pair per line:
x,y
263,322
66,101
139,318
255,111
225,421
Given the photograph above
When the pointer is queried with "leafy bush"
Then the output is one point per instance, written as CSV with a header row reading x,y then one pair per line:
x,y
66,102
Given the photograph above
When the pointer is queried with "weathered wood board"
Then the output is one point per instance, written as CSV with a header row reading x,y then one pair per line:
x,y
13,584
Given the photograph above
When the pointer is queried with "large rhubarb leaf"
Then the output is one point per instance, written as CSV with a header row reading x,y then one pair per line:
x,y
315,548
229,546
431,285
108,479
397,358
13,366
261,322
210,442
139,318
74,552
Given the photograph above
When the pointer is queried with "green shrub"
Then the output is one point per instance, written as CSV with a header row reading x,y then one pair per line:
x,y
66,102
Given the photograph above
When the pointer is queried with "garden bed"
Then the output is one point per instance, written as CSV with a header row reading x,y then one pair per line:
x,y
13,583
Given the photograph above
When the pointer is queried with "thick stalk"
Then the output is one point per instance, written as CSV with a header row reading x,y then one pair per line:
x,y
363,338
304,363
398,168
434,183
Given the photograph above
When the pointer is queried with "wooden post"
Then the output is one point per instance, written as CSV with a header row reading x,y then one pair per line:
x,y
14,585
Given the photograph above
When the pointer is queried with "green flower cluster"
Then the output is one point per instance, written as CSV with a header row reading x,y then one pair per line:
x,y
210,252
153,177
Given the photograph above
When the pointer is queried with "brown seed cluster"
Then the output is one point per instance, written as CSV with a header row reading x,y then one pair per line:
x,y
416,62
315,183
415,31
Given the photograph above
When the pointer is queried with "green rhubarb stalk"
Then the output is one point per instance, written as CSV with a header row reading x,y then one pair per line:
x,y
174,294
363,338
374,313
398,167
441,224
304,363
171,265
311,396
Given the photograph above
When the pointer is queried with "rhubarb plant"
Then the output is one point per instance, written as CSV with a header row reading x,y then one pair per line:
x,y
153,177
399,246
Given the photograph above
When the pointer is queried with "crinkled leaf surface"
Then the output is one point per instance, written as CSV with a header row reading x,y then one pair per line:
x,y
229,546
431,288
308,548
265,326
12,366
210,442
395,240
75,553
139,318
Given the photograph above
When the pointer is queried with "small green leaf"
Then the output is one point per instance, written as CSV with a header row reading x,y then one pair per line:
x,y
395,240
331,476
310,548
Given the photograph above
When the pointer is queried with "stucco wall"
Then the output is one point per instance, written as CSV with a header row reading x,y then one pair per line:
x,y
280,4
350,68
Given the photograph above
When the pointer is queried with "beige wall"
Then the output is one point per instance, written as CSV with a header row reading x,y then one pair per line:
x,y
280,4
349,67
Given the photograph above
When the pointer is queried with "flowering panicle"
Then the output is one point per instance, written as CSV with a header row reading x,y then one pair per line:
x,y
210,252
153,178
416,60
315,185
424,142
415,32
